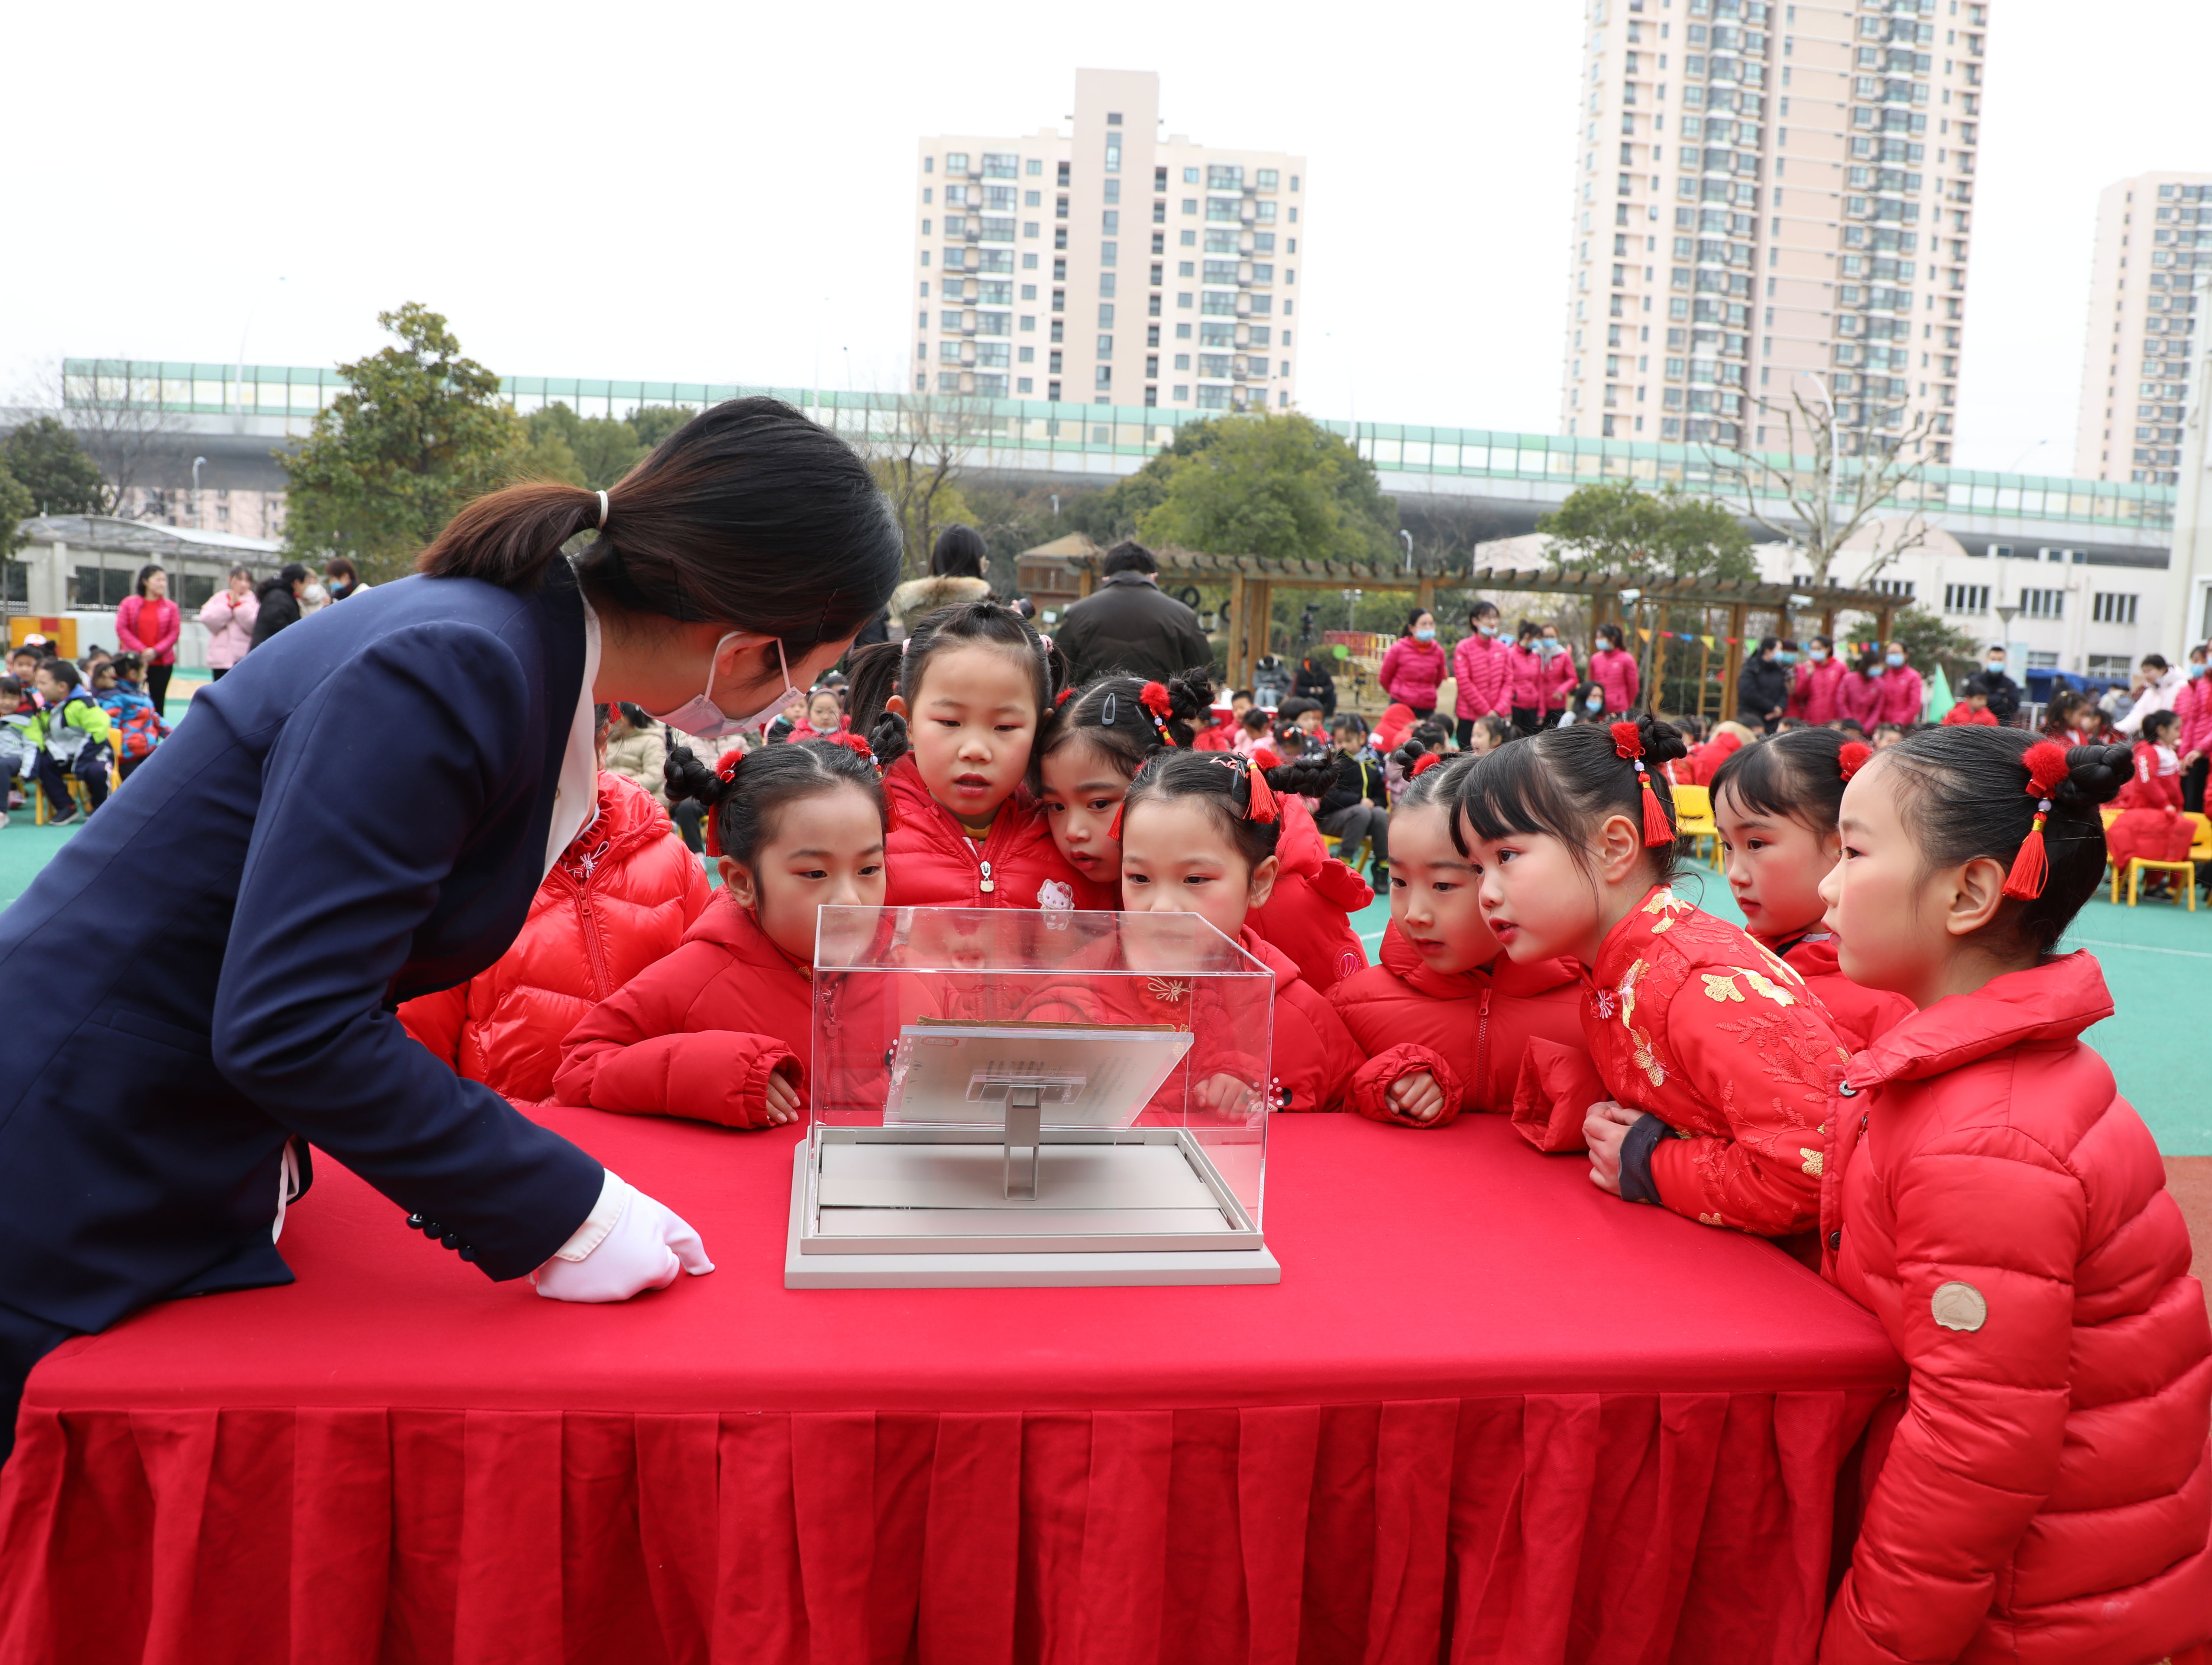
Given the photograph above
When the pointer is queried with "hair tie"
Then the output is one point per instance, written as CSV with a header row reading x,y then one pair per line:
x,y
1426,761
726,770
852,742
2031,869
1044,642
1063,696
603,506
1851,758
1628,745
1153,696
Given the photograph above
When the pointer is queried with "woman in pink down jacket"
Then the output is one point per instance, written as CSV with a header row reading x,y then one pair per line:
x,y
1903,693
1414,667
1479,668
229,616
1612,668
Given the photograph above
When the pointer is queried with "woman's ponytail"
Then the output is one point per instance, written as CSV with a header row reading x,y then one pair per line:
x,y
509,537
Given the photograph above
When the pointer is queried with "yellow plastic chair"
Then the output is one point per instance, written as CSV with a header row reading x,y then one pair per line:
x,y
2200,849
1693,819
2109,816
40,811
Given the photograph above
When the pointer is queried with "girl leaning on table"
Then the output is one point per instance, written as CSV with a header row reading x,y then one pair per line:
x,y
2044,1492
1704,1085
718,1031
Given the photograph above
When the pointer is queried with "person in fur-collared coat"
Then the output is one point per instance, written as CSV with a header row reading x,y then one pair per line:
x,y
956,575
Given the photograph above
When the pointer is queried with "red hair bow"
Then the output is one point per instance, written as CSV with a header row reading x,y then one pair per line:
x,y
1154,697
1426,761
852,742
2031,869
1628,745
726,770
1852,757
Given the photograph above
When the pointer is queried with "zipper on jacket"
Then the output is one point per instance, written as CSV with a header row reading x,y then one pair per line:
x,y
984,867
1482,1045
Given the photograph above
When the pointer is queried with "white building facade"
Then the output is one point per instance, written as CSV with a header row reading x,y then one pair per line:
x,y
2154,253
1107,264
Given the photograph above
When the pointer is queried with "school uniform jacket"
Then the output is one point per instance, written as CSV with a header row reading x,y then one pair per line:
x,y
210,968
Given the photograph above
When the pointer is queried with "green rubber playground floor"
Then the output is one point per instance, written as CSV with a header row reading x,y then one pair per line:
x,y
2157,960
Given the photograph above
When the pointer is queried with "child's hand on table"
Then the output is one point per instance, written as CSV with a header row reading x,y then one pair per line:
x,y
783,1105
1417,1098
1605,1126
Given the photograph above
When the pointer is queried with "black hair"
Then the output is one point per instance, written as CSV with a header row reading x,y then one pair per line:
x,y
1965,797
1242,694
747,515
889,668
131,663
958,553
1439,783
1256,719
290,573
1109,714
2159,660
1479,608
1222,782
1295,707
1347,719
745,807
1414,618
1766,642
1796,776
241,571
338,567
1565,782
1496,727
1526,628
1127,556
2157,721
62,672
1616,635
1821,641
147,572
1870,660
1428,732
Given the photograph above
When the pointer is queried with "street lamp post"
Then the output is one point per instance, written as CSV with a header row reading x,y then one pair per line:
x,y
199,514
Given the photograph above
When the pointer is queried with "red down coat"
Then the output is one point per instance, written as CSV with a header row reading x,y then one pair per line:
x,y
1862,1015
929,861
2046,1495
619,898
1469,1029
700,1034
1308,915
1687,1017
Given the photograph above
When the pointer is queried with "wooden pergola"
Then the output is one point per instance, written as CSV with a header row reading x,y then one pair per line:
x,y
1252,580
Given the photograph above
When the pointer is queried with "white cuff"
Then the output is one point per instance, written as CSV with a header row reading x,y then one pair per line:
x,y
606,1213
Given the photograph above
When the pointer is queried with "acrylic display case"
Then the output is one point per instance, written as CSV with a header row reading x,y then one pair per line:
x,y
1018,1096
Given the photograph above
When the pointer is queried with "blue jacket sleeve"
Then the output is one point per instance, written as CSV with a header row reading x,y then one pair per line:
x,y
367,798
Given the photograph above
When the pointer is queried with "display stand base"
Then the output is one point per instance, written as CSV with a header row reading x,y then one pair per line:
x,y
989,1271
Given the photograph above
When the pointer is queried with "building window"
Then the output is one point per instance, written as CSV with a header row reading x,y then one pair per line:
x,y
2043,661
2109,664
1181,394
1965,598
1104,378
2042,603
1024,384
956,161
2107,608
1896,587
1052,391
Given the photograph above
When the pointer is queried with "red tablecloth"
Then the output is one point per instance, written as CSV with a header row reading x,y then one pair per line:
x,y
1489,1414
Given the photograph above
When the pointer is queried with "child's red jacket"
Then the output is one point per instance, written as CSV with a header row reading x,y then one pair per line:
x,y
1684,1017
700,1034
1308,914
619,899
2046,1494
929,861
1862,1015
1470,1029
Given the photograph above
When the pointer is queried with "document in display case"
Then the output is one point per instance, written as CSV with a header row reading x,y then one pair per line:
x,y
1004,1095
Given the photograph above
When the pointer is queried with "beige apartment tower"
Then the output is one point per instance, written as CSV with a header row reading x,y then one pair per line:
x,y
1770,197
2153,247
1106,263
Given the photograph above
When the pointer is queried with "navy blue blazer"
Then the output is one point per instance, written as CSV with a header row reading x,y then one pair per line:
x,y
356,815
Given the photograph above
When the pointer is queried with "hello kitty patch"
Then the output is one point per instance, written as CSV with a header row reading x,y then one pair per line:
x,y
1053,893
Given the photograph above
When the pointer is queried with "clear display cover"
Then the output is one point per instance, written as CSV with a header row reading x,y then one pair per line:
x,y
997,1079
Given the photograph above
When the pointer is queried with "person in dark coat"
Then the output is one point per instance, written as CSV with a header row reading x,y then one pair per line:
x,y
359,814
2003,691
1762,687
1312,681
280,602
1128,626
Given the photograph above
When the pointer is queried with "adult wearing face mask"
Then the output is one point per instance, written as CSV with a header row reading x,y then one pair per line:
x,y
1556,682
1480,670
1903,696
1815,692
1415,666
1614,669
182,1056
1762,687
2193,704
2003,691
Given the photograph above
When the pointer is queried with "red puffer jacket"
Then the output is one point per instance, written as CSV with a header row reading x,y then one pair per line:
x,y
1686,1016
1815,692
930,862
1858,697
1478,663
1902,694
700,1034
1863,1015
1469,1030
619,898
1315,1057
2046,1495
1614,670
1412,671
1307,915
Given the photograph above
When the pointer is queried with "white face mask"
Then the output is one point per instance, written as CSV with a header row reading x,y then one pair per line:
x,y
699,715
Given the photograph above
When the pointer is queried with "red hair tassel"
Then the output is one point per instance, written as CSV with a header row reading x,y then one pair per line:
x,y
2031,868
1261,805
1851,758
1154,697
1628,745
1428,761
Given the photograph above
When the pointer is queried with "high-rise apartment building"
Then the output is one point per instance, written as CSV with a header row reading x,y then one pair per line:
x,y
1108,265
1770,197
2154,243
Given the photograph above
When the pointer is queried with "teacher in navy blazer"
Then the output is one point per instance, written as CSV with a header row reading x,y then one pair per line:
x,y
201,985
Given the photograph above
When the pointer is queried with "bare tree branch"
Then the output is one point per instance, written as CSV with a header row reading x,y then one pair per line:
x,y
118,418
930,441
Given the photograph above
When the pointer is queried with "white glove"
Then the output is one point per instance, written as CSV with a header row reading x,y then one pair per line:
x,y
628,1244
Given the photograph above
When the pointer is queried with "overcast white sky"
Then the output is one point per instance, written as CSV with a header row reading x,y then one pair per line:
x,y
721,191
